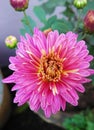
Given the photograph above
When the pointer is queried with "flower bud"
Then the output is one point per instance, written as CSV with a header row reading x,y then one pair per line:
x,y
19,5
11,41
47,31
89,21
80,4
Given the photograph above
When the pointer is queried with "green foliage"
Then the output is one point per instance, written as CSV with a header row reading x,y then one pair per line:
x,y
68,11
21,109
82,121
89,120
77,122
90,125
62,26
50,5
40,13
90,6
28,25
49,22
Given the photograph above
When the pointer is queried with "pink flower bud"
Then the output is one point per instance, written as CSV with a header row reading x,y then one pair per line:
x,y
19,5
47,31
89,21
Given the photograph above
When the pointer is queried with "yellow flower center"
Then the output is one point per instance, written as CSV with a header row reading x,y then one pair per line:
x,y
51,67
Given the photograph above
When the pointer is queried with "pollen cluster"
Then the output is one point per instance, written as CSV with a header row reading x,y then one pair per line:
x,y
51,67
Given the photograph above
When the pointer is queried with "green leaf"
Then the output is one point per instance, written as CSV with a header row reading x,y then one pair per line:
x,y
69,1
80,36
90,125
21,108
91,48
32,22
77,122
50,5
28,24
28,21
62,26
90,6
40,13
22,31
68,11
90,39
49,22
92,77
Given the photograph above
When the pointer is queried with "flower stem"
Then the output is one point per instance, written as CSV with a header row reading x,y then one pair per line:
x,y
79,20
28,23
84,36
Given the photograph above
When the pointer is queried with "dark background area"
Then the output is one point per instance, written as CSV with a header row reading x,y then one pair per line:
x,y
28,120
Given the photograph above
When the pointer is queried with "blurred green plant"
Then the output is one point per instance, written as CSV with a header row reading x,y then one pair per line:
x,y
82,121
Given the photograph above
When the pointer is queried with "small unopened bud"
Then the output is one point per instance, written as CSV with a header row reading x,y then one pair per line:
x,y
47,31
89,21
19,5
11,41
80,4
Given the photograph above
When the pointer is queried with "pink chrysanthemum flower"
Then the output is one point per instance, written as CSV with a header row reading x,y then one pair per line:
x,y
49,70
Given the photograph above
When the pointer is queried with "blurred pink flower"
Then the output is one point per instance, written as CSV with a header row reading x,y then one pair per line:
x,y
49,70
89,21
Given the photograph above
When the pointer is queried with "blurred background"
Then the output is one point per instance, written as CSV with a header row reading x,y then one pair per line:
x,y
10,23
